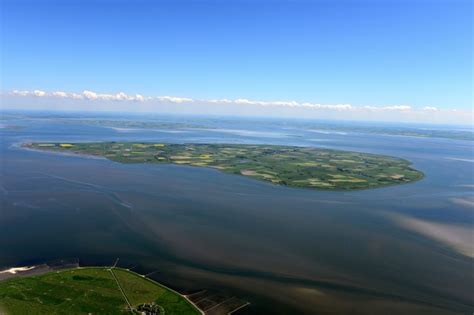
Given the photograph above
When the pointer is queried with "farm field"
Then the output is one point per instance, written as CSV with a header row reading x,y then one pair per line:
x,y
304,167
93,290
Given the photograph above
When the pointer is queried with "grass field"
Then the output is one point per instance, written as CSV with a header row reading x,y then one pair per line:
x,y
283,165
87,291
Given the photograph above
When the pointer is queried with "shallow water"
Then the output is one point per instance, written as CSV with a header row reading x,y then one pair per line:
x,y
283,249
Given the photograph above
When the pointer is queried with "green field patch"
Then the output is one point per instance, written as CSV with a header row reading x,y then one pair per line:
x,y
327,165
397,176
87,291
180,157
308,164
337,176
248,172
199,164
313,182
348,161
206,160
348,180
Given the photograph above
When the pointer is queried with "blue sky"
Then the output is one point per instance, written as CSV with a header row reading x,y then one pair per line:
x,y
382,53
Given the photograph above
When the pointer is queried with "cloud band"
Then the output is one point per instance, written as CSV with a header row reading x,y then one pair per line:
x,y
121,96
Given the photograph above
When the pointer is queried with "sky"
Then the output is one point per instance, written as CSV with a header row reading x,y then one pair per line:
x,y
371,60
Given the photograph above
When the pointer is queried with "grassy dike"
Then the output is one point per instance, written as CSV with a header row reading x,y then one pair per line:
x,y
89,290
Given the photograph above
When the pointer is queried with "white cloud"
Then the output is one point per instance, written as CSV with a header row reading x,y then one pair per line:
x,y
294,104
139,98
90,95
388,108
60,94
174,99
246,101
39,93
20,93
337,107
121,96
397,107
276,107
220,101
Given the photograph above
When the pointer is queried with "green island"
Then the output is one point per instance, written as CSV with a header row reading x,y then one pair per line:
x,y
304,167
90,290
